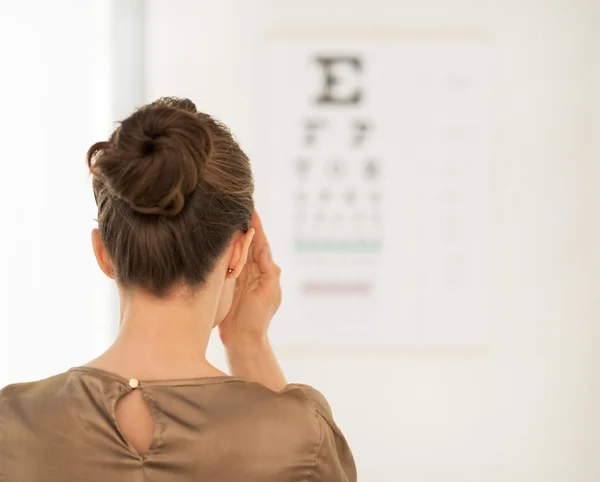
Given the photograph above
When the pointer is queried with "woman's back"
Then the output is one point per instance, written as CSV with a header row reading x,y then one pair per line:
x,y
214,429
178,233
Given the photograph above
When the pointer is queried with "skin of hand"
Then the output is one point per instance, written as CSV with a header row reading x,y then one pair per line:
x,y
257,294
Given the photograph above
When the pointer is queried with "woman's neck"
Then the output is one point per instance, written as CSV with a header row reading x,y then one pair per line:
x,y
162,338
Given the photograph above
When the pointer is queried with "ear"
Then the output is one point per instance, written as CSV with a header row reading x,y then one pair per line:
x,y
102,257
239,252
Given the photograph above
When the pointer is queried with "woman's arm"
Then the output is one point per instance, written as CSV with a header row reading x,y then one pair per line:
x,y
244,330
255,361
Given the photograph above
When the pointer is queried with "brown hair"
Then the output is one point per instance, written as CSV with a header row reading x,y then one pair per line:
x,y
172,187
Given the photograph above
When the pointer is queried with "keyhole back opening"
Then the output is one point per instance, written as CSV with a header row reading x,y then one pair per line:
x,y
135,421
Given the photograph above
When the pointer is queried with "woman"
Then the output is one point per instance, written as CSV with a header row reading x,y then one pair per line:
x,y
178,233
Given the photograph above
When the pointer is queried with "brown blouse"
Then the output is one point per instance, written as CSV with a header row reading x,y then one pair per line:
x,y
64,429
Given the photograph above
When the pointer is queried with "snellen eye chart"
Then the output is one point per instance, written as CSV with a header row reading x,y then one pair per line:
x,y
379,159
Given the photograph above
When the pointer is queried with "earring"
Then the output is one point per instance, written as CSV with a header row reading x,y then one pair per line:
x,y
230,270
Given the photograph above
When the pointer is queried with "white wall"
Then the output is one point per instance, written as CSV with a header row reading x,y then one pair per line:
x,y
56,309
520,410
593,236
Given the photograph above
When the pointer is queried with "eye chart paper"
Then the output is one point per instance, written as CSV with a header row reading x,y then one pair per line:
x,y
378,155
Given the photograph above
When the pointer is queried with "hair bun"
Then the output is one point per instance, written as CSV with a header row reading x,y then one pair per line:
x,y
156,157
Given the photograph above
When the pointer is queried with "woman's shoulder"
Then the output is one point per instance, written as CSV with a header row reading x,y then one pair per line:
x,y
295,405
310,396
18,400
26,389
296,400
298,409
333,460
293,425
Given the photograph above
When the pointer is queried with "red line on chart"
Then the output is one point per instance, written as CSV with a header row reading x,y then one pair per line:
x,y
317,288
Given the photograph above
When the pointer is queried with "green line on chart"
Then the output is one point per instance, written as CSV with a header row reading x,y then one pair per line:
x,y
346,246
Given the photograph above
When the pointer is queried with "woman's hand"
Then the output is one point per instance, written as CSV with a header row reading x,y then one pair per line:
x,y
257,294
244,330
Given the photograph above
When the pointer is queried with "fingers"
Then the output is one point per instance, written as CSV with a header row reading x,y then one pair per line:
x,y
260,238
267,266
270,273
247,248
270,279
